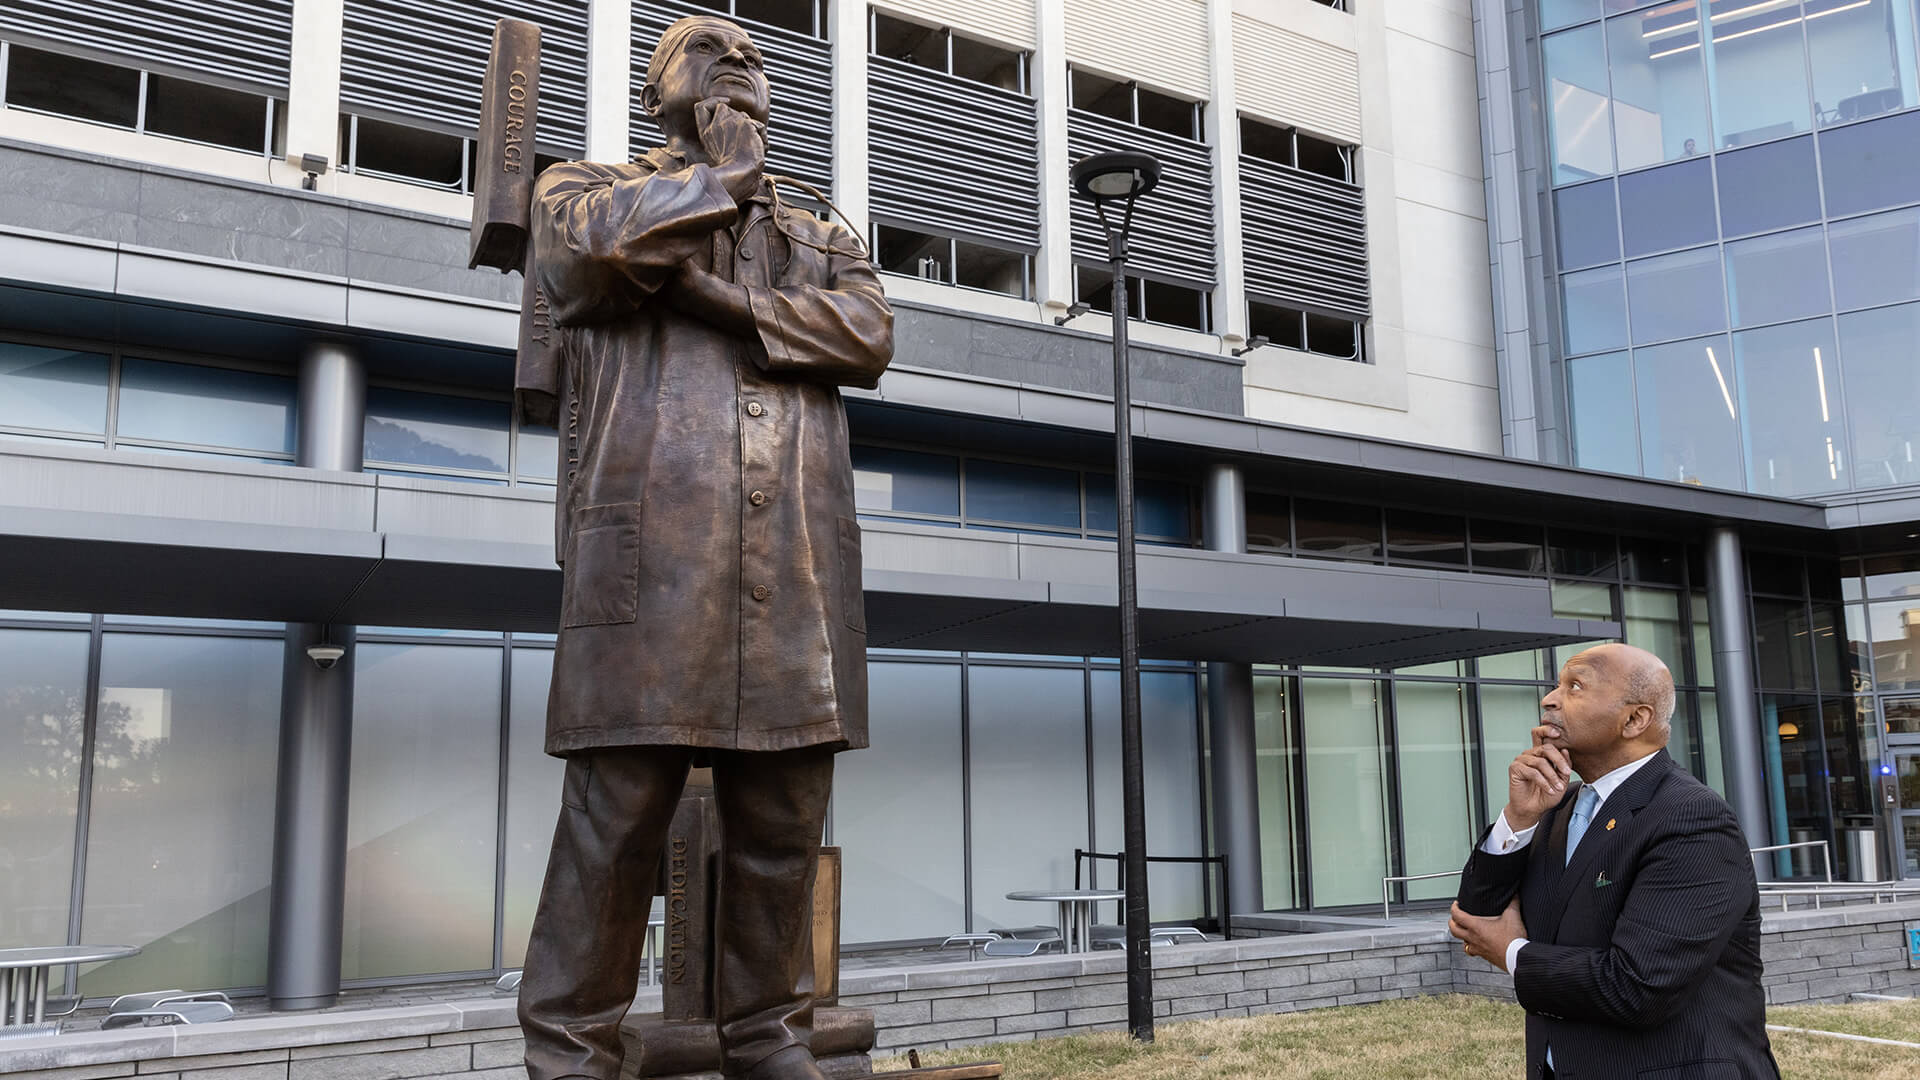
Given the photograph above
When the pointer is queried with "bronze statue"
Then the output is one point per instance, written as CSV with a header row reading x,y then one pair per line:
x,y
712,608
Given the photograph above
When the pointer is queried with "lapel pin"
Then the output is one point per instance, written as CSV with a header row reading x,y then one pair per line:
x,y
1601,882
1610,823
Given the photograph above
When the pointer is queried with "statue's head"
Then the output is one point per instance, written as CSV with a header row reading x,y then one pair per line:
x,y
700,57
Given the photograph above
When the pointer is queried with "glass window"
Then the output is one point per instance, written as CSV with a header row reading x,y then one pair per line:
x,y
1871,166
1269,523
1336,530
1862,58
43,708
1652,561
407,427
180,848
1895,626
1758,70
1525,664
1797,801
1780,575
1502,545
1883,393
898,814
1659,92
905,481
1557,13
1893,575
1702,641
52,389
1160,507
537,455
1601,391
208,406
1436,758
1715,777
1651,620
533,799
1346,789
1027,494
71,86
1277,763
1427,538
423,802
201,113
1586,224
1689,427
1171,740
1029,786
1663,209
1578,554
1578,122
1783,653
1676,295
1508,715
1582,600
1595,307
1876,260
1774,278
1795,426
1768,187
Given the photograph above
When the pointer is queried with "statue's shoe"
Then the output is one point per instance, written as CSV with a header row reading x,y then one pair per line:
x,y
790,1063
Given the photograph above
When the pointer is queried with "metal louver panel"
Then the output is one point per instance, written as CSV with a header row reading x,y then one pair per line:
x,y
1172,234
799,69
424,61
237,41
1305,238
955,156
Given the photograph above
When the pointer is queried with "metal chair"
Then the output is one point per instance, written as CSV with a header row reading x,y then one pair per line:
x,y
1175,935
173,1012
508,983
153,999
1022,946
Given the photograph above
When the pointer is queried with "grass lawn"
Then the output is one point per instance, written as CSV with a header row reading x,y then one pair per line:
x,y
1449,1037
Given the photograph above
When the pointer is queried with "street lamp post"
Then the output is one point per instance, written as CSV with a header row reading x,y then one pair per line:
x,y
1120,177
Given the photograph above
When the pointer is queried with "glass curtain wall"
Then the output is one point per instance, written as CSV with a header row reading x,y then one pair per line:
x,y
1732,165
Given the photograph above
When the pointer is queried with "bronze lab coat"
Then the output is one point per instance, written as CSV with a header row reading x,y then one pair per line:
x,y
711,558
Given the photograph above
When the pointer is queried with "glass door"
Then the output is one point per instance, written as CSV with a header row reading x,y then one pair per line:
x,y
1906,809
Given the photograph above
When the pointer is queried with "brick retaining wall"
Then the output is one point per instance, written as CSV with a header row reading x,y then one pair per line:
x,y
1810,956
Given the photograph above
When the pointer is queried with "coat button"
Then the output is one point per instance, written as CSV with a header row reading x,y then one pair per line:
x,y
754,408
761,592
758,498
746,254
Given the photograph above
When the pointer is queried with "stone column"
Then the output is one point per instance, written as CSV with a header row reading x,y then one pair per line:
x,y
1235,774
1740,745
1053,267
609,78
316,724
313,86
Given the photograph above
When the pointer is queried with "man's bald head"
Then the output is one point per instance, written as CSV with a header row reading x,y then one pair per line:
x,y
1642,678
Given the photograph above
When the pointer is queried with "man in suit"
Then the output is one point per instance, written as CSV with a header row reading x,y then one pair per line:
x,y
1624,907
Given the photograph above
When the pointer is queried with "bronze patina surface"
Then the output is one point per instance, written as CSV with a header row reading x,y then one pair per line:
x,y
712,602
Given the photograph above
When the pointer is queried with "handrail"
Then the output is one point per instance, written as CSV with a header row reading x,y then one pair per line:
x,y
1819,889
1386,889
1826,855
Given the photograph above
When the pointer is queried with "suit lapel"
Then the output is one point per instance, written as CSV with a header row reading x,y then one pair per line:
x,y
1599,839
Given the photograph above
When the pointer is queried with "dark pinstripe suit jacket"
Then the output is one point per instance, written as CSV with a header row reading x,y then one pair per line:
x,y
1643,954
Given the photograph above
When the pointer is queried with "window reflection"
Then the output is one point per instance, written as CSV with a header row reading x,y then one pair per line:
x,y
1576,71
1663,209
906,481
1768,187
43,708
533,797
1659,87
1883,389
1870,166
210,406
1775,278
1601,391
1758,66
1435,748
1346,789
1586,224
1794,423
1595,308
52,389
437,430
1876,260
1676,295
1026,494
1336,530
1688,421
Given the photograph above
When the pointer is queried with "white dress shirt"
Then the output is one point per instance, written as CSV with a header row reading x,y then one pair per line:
x,y
1503,840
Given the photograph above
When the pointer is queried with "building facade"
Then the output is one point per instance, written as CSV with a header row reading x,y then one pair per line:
x,y
1397,457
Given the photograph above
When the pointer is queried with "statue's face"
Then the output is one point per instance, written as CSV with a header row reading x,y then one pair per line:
x,y
715,60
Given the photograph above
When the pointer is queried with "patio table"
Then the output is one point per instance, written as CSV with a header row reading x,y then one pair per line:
x,y
25,973
1076,911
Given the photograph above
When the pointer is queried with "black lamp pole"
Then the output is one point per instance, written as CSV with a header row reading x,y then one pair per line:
x,y
1122,177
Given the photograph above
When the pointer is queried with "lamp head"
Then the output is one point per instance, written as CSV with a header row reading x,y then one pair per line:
x,y
1116,174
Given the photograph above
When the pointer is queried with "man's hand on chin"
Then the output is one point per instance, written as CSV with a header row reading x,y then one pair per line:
x,y
1487,937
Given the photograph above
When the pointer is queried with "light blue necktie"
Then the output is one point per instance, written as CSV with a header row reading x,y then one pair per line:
x,y
1583,808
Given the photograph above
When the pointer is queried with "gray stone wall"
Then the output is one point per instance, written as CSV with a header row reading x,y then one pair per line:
x,y
1811,956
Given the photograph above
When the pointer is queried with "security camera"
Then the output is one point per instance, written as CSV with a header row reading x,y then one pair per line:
x,y
324,655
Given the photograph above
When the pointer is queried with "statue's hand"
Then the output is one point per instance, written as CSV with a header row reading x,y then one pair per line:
x,y
736,145
718,303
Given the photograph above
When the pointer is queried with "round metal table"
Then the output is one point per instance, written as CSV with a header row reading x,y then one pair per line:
x,y
1076,911
25,973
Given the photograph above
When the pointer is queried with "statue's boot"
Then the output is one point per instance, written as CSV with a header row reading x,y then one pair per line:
x,y
793,1063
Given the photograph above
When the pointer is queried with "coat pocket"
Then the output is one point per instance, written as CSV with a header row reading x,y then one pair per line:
x,y
1704,1069
603,570
853,598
